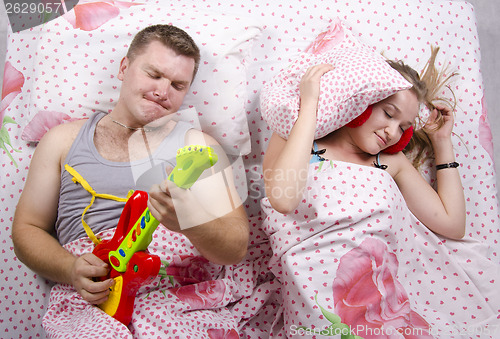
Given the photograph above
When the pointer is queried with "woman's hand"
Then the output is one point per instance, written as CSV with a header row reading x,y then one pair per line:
x,y
310,85
439,126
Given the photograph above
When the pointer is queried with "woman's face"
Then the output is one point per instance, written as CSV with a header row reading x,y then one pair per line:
x,y
389,119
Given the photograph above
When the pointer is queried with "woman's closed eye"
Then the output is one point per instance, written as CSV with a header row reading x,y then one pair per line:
x,y
389,116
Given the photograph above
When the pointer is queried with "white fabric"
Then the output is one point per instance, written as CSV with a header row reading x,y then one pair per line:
x,y
398,29
360,77
353,248
83,79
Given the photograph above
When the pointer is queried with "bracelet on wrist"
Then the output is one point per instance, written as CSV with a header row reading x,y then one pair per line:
x,y
453,164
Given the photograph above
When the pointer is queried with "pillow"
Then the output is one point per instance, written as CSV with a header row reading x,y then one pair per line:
x,y
79,54
360,78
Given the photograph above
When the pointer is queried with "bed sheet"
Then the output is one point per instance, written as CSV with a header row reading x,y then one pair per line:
x,y
400,29
360,263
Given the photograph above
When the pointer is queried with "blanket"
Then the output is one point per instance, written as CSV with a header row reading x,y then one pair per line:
x,y
163,307
353,260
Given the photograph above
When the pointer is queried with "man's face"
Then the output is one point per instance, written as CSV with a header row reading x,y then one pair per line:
x,y
154,84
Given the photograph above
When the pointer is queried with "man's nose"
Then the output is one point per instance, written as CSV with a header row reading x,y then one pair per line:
x,y
162,90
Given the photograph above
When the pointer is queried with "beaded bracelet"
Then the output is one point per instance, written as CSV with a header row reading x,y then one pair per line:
x,y
453,164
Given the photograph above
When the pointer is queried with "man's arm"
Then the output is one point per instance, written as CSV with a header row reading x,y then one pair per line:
x,y
210,213
33,231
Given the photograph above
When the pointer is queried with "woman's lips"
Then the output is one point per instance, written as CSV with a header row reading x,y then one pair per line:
x,y
382,140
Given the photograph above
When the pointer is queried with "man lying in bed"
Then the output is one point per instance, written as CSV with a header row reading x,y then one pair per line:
x,y
112,154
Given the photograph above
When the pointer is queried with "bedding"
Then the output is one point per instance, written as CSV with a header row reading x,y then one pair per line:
x,y
188,283
277,33
360,77
78,82
354,260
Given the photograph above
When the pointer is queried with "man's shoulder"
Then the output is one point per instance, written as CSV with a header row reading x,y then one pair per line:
x,y
194,136
67,128
63,135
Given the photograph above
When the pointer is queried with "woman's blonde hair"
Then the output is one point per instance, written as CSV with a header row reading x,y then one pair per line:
x,y
427,86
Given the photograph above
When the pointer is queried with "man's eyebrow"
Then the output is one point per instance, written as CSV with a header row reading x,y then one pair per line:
x,y
152,68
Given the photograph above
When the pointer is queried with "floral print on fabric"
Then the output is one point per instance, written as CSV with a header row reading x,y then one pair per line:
x,y
42,122
13,81
204,295
90,15
369,296
485,136
327,39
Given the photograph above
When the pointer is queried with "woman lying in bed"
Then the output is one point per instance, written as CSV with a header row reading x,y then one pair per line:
x,y
376,138
345,220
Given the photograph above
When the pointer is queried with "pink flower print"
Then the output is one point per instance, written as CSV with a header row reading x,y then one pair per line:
x,y
368,295
188,270
13,81
204,295
89,15
328,39
42,122
485,137
222,333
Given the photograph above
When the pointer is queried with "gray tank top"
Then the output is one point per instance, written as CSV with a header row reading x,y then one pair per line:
x,y
107,177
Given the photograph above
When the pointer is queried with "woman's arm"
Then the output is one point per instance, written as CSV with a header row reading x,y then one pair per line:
x,y
441,210
286,162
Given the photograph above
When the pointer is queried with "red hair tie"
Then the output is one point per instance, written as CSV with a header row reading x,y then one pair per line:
x,y
397,147
361,119
402,143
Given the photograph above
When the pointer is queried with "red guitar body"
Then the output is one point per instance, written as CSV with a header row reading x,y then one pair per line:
x,y
142,268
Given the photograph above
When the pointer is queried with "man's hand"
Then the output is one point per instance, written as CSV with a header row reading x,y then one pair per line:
x,y
162,207
176,208
84,270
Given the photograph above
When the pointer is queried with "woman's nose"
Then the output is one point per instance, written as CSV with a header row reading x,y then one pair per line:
x,y
393,131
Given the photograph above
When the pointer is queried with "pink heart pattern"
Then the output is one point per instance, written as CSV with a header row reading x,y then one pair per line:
x,y
401,30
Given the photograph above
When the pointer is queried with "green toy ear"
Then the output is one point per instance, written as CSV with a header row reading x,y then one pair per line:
x,y
191,160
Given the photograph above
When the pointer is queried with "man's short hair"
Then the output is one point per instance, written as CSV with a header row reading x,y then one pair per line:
x,y
170,36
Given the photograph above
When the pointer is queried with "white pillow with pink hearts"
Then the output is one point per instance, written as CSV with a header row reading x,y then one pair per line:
x,y
360,78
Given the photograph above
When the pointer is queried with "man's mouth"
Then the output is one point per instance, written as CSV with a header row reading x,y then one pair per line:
x,y
159,102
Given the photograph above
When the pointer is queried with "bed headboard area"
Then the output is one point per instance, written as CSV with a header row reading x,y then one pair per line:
x,y
66,69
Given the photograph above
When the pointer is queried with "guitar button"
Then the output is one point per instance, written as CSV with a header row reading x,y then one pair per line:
x,y
114,261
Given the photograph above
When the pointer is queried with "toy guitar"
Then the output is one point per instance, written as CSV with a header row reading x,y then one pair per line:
x,y
131,264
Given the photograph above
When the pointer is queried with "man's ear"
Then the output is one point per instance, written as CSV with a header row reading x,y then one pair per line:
x,y
123,67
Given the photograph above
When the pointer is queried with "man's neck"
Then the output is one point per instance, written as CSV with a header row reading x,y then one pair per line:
x,y
119,143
